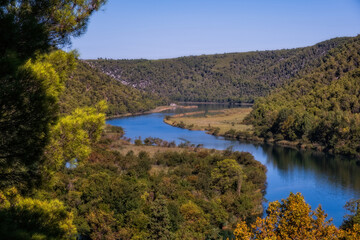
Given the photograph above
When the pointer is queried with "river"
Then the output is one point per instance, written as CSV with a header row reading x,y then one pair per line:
x,y
322,179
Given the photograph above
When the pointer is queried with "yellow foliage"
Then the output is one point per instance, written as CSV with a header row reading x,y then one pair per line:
x,y
45,219
242,231
51,70
72,136
294,219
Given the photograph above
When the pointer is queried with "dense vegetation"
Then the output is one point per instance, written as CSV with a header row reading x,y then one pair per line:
x,y
87,86
220,78
321,107
188,195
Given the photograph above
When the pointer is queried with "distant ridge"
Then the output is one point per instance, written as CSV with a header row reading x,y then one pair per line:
x,y
230,77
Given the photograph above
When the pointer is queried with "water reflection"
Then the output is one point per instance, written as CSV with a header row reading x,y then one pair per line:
x,y
338,171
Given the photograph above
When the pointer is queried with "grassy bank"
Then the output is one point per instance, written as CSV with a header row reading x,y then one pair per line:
x,y
217,122
229,123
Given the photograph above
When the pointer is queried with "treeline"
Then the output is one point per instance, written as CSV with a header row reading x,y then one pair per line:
x,y
86,86
232,77
321,107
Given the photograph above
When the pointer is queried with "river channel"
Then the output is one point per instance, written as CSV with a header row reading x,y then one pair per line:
x,y
322,179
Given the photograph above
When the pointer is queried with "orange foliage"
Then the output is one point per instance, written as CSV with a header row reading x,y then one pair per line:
x,y
294,219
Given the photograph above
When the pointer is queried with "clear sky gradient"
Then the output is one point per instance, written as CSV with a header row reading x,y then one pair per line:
x,y
156,29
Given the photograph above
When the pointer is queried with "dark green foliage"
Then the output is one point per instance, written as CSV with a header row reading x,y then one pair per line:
x,y
87,86
232,77
21,137
28,107
20,37
138,142
320,107
159,226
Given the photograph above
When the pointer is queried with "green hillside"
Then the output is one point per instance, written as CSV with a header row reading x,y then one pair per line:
x,y
221,77
322,106
87,86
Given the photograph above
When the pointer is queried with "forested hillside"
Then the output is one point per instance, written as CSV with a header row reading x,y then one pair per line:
x,y
87,86
322,106
221,77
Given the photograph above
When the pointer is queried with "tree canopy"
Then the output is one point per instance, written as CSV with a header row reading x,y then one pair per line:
x,y
29,107
28,26
28,218
32,78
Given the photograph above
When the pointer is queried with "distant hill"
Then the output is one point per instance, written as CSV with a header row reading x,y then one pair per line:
x,y
221,77
87,86
322,106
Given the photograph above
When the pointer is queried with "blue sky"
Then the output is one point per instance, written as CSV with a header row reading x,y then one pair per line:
x,y
156,29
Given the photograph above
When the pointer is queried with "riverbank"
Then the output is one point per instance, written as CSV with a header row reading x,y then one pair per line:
x,y
229,123
160,157
156,110
124,147
323,179
215,122
218,103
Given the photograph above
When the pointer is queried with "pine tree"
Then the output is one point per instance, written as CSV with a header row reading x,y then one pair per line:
x,y
159,220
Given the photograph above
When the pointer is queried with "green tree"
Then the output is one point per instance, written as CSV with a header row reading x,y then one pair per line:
x,y
103,225
31,79
30,26
159,226
227,175
28,108
73,136
195,225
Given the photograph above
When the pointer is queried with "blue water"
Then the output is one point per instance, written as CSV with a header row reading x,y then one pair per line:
x,y
322,179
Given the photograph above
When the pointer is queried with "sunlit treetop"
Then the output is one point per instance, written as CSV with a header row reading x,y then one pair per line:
x,y
29,26
59,18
